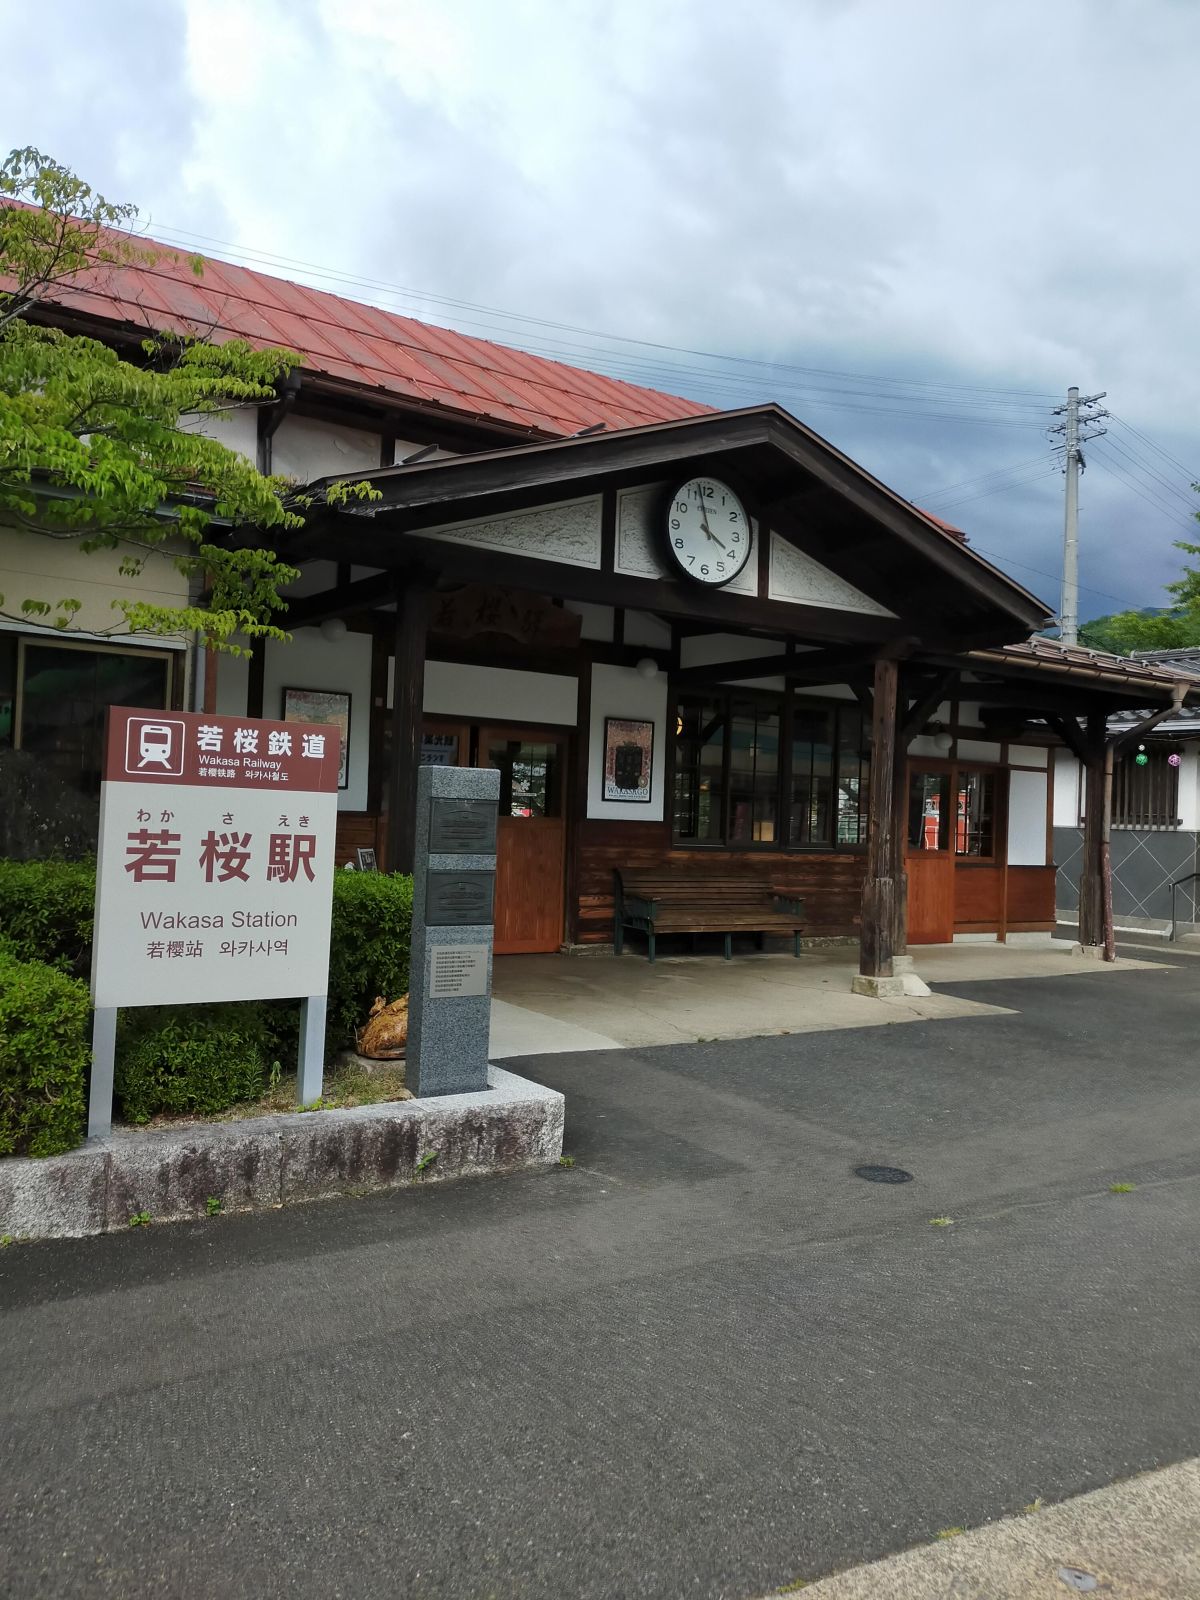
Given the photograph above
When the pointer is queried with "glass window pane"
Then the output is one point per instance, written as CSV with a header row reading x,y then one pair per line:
x,y
811,819
854,777
974,820
699,770
63,700
753,774
530,776
929,811
8,687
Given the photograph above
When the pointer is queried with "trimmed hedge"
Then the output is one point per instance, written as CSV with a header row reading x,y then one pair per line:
x,y
196,1060
46,912
368,949
44,1054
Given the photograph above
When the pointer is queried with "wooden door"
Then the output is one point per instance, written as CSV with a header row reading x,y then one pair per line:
x,y
531,837
930,856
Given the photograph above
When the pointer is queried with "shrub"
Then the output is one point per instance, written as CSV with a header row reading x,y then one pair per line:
x,y
46,911
198,1059
368,951
44,1054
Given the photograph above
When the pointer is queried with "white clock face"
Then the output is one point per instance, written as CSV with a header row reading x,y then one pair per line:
x,y
708,531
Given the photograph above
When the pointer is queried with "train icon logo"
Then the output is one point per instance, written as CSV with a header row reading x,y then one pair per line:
x,y
154,747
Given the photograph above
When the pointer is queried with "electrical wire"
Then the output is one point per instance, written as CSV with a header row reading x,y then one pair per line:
x,y
1186,497
1192,477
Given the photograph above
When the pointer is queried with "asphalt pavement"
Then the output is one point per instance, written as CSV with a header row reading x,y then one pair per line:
x,y
707,1360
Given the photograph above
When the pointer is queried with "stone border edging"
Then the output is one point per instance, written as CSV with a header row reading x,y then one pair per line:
x,y
263,1162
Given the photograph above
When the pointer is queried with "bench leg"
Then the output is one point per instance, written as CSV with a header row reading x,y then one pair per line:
x,y
796,945
618,939
729,947
651,938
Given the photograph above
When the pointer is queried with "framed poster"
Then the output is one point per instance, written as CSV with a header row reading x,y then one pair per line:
x,y
628,760
330,708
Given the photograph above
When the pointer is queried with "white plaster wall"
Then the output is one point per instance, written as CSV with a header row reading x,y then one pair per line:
x,y
310,662
1189,788
642,628
482,694
33,567
233,685
237,428
1027,796
978,750
623,692
707,648
1029,755
1066,790
968,713
597,620
305,449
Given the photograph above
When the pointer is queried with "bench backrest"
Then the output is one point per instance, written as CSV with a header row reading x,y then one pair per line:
x,y
690,885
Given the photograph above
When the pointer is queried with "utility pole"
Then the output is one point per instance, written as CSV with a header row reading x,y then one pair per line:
x,y
1079,415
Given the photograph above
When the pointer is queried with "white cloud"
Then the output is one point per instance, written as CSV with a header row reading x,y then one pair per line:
x,y
995,194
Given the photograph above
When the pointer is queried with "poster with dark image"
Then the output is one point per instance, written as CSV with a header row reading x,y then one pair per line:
x,y
628,760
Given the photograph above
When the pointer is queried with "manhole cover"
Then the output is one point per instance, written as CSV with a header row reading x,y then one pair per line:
x,y
883,1174
1076,1578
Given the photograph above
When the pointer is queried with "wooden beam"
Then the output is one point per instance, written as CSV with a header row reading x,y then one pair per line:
x,y
360,595
1071,734
883,903
1091,874
254,679
413,595
916,715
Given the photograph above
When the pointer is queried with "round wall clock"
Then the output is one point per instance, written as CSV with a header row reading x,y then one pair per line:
x,y
708,535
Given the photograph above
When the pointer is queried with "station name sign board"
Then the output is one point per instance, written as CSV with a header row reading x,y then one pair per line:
x,y
216,859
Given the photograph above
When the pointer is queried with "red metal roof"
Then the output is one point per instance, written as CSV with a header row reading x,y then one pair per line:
x,y
364,346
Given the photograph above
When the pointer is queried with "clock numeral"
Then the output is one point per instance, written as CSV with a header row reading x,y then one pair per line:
x,y
704,572
709,491
733,516
681,505
736,537
675,522
692,559
720,566
679,544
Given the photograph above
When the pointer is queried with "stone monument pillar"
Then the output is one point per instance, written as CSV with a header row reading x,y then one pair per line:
x,y
454,881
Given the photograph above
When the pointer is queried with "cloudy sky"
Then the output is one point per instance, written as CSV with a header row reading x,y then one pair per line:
x,y
912,222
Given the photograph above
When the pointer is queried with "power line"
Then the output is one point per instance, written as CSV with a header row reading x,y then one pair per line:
x,y
926,389
1191,476
1187,497
1132,483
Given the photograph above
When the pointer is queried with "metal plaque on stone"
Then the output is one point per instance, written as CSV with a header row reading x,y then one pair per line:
x,y
461,827
454,877
459,899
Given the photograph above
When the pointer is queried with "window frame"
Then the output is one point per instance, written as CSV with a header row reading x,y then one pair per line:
x,y
53,641
1125,766
784,705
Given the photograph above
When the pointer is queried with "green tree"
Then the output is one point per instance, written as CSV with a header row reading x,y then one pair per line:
x,y
1176,627
101,450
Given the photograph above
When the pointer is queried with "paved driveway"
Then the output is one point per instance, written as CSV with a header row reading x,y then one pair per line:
x,y
706,1361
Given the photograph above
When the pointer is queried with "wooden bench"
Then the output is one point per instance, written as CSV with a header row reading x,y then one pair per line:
x,y
700,899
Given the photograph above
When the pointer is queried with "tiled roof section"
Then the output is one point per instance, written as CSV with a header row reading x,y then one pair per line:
x,y
363,346
1186,662
1077,661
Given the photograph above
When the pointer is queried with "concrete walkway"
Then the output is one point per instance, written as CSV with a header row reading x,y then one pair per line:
x,y
707,1360
1137,1540
551,1004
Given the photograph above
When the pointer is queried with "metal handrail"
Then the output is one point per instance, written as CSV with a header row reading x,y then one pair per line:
x,y
1178,884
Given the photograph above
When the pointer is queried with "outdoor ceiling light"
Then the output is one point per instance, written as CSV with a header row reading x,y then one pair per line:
x,y
333,630
648,667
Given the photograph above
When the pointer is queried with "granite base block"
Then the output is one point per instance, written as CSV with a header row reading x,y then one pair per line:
x,y
171,1173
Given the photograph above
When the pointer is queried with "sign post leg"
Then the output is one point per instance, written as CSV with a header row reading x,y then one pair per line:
x,y
104,1056
311,1066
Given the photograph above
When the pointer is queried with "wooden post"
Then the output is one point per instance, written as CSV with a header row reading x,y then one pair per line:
x,y
883,892
413,593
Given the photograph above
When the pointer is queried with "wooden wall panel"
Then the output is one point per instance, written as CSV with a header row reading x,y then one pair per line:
x,y
978,898
356,830
1030,899
930,897
831,884
529,885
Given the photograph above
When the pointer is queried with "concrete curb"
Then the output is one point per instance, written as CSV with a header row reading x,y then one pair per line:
x,y
170,1173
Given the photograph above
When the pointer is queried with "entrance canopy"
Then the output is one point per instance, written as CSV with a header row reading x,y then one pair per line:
x,y
839,556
